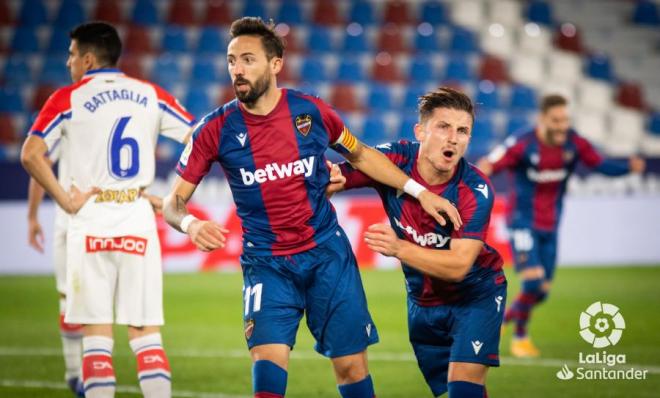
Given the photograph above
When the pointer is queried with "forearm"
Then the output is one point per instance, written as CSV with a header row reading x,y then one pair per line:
x,y
450,265
378,167
613,168
175,210
38,167
35,197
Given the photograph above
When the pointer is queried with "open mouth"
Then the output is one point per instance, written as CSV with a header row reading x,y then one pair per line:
x,y
448,154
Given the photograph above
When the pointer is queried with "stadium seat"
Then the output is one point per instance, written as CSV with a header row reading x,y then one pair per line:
x,y
592,125
174,40
343,98
411,97
355,40
433,12
406,127
528,69
426,38
350,70
25,40
290,36
483,135
646,13
468,13
534,39
517,122
421,70
181,12
137,40
630,95
391,40
108,10
197,101
540,11
217,13
8,134
494,69
54,71
204,71
362,12
32,13
564,66
374,130
385,69
59,41
254,8
568,38
487,96
145,13
5,14
522,98
654,123
166,71
210,41
560,87
380,98
41,94
458,70
326,13
505,12
594,95
599,66
70,14
11,100
627,130
497,39
462,41
312,70
396,11
16,71
319,40
131,65
290,13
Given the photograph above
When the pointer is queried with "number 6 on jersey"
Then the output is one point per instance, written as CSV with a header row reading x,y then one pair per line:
x,y
116,145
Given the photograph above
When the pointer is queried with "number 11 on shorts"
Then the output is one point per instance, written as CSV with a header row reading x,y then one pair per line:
x,y
255,291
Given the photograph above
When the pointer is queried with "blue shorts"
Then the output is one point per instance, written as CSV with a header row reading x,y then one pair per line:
x,y
460,332
532,248
323,283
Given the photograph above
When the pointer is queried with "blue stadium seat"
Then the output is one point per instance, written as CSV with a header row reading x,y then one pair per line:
x,y
210,41
32,13
25,40
312,70
10,100
319,40
204,71
254,8
380,98
411,97
16,71
462,41
426,39
654,123
197,101
433,12
522,98
517,121
421,70
70,14
145,13
59,41
646,13
308,88
483,135
362,12
174,40
349,70
290,13
458,69
374,130
540,11
488,96
355,40
54,71
166,71
599,66
406,130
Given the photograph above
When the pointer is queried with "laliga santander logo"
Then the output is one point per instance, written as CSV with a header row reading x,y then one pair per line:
x,y
601,325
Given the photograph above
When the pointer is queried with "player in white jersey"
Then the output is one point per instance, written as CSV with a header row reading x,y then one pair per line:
x,y
111,123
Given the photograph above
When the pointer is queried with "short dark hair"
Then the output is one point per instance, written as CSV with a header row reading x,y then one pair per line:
x,y
99,38
255,26
552,100
444,97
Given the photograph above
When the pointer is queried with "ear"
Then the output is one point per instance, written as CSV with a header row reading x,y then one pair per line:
x,y
420,134
276,65
89,61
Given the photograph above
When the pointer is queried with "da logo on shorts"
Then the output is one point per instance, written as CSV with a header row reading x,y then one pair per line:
x,y
601,324
249,328
304,123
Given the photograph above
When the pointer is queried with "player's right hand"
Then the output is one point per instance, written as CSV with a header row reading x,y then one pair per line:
x,y
35,235
207,235
436,206
337,180
77,199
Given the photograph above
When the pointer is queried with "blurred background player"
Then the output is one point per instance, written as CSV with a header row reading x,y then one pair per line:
x,y
71,334
541,160
114,274
455,283
296,259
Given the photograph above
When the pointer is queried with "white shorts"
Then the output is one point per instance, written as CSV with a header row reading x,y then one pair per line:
x,y
120,272
59,258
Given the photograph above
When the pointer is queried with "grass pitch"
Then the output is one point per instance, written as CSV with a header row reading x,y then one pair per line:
x,y
204,339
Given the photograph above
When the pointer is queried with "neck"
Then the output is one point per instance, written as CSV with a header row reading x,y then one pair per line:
x,y
430,174
542,137
266,103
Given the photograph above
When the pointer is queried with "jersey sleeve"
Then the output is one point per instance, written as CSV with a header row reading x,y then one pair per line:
x,y
340,137
395,151
52,118
475,206
506,155
591,158
200,152
175,121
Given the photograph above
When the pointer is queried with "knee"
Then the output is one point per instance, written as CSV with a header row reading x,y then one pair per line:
x,y
350,369
536,288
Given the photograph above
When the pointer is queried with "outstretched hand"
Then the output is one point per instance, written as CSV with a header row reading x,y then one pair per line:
x,y
436,206
207,235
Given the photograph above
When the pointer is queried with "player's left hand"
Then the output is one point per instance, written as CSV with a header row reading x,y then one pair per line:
x,y
337,180
155,201
435,205
35,235
382,239
636,164
77,198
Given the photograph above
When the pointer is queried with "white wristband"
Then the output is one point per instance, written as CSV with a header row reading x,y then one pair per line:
x,y
413,188
185,223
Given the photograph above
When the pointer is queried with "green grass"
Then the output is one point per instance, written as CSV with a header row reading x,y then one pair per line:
x,y
204,338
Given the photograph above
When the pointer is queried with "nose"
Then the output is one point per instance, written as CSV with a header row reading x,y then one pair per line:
x,y
452,136
237,69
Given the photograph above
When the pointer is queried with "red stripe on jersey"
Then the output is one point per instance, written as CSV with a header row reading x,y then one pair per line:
x,y
152,359
59,102
97,366
467,205
264,394
286,201
546,195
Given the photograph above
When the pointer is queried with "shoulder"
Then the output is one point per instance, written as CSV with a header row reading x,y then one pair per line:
x,y
405,151
474,184
61,98
217,118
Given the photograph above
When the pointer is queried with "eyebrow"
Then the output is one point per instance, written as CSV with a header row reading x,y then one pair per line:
x,y
241,55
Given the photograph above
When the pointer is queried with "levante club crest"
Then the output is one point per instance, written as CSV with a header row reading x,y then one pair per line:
x,y
304,124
